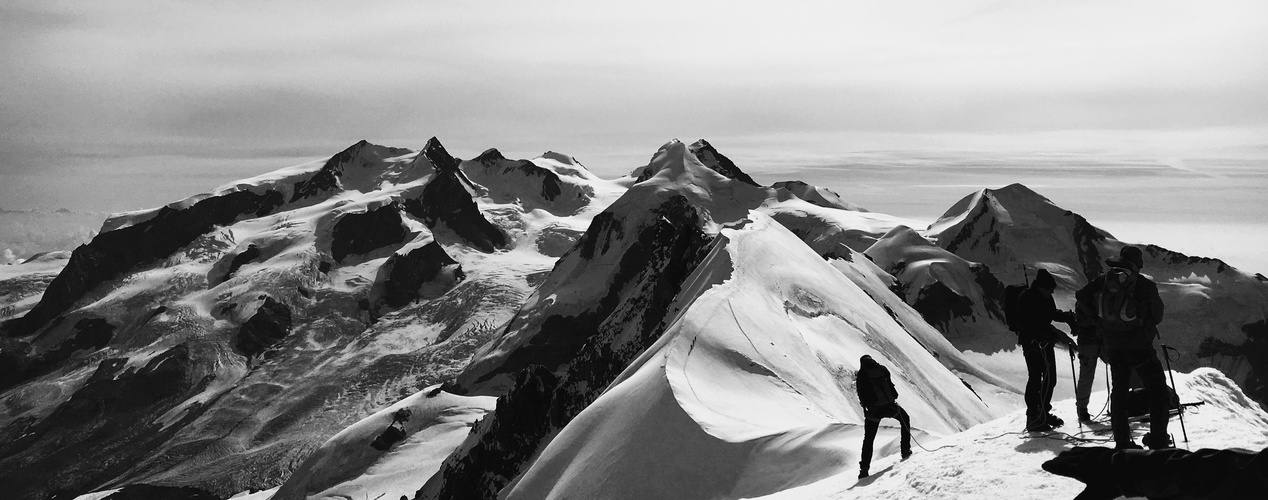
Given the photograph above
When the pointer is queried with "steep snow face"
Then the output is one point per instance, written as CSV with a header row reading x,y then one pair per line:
x,y
217,341
750,389
1213,311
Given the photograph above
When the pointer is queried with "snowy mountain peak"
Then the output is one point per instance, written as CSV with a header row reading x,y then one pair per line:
x,y
353,168
820,196
439,157
489,155
715,160
561,158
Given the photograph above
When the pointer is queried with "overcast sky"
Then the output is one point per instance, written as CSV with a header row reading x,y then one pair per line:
x,y
127,103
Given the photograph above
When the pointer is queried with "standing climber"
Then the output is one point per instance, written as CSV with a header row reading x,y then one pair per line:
x,y
880,400
1128,312
1037,335
1091,348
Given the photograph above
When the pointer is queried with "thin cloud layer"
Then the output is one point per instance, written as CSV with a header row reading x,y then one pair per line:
x,y
605,82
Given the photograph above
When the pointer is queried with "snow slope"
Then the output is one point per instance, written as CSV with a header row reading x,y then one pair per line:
x,y
749,390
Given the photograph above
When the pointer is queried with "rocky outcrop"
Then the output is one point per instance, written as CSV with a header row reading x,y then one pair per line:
x,y
357,234
250,254
406,273
270,324
112,253
447,198
938,305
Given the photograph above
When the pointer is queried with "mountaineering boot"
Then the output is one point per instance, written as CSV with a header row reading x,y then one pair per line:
x,y
1038,427
1158,442
1084,416
1055,421
1127,446
906,454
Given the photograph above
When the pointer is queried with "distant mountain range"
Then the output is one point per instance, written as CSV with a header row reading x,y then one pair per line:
x,y
552,333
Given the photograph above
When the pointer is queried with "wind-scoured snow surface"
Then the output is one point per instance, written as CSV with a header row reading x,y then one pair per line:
x,y
680,332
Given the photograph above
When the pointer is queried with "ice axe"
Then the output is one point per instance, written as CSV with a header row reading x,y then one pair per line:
x,y
1167,357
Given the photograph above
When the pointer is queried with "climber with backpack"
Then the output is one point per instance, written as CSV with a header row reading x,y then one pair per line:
x,y
879,399
1128,310
1036,310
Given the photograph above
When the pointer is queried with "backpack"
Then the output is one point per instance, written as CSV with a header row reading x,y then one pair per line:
x,y
876,381
1117,304
1012,306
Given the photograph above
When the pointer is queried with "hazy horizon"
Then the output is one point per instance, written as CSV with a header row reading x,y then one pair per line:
x,y
133,104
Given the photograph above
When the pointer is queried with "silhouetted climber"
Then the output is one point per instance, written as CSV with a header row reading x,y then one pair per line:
x,y
880,400
1128,311
1037,336
1091,348
1165,474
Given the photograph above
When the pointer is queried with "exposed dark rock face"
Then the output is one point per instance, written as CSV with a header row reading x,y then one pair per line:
x,y
1087,240
552,186
446,199
327,179
586,347
114,252
104,430
356,234
970,232
939,305
407,272
250,254
17,366
149,492
504,444
270,324
1254,351
992,290
1176,258
711,158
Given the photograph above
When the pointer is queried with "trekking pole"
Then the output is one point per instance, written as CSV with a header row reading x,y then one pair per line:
x,y
1173,388
1075,378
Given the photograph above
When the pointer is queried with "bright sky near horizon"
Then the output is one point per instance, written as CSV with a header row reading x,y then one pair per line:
x,y
133,103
